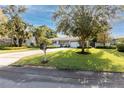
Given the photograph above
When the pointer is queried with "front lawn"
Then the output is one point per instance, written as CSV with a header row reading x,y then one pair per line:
x,y
98,60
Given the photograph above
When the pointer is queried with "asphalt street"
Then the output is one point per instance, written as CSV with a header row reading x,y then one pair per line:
x,y
32,77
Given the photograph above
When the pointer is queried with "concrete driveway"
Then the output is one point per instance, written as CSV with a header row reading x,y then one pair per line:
x,y
9,58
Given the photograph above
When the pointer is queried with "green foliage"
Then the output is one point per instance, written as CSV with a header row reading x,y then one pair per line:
x,y
106,47
43,34
13,10
17,30
3,29
84,21
120,40
120,47
15,25
104,37
3,26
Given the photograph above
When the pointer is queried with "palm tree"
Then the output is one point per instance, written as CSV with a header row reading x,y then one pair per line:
x,y
13,10
3,25
15,24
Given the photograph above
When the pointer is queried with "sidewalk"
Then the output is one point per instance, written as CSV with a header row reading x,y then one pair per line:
x,y
9,58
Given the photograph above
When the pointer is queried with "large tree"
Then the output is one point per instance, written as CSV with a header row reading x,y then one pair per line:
x,y
15,24
84,21
13,10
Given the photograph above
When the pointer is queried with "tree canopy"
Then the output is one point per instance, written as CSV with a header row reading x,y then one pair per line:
x,y
3,21
15,25
43,34
84,21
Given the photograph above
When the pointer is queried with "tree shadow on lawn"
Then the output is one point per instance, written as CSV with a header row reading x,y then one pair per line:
x,y
70,60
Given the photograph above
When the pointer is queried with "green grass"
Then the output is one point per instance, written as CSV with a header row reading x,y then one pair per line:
x,y
98,60
14,49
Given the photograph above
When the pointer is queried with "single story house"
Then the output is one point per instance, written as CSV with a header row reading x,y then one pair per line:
x,y
65,42
5,41
74,42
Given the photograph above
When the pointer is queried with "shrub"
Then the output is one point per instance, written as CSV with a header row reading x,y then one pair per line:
x,y
106,47
120,47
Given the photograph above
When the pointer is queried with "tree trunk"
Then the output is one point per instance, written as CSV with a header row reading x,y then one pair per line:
x,y
15,42
82,46
104,44
45,59
20,41
82,51
104,40
11,42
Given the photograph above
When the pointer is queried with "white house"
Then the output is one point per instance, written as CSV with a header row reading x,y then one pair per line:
x,y
65,42
74,42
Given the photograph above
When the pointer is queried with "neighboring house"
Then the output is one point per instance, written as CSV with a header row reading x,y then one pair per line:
x,y
119,40
73,42
8,41
113,41
5,41
30,41
97,44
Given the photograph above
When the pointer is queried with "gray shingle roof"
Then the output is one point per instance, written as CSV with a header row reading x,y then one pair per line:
x,y
65,39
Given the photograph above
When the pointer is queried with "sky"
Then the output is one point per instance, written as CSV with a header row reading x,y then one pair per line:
x,y
42,15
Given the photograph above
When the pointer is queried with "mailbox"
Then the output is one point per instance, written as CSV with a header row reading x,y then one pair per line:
x,y
43,46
